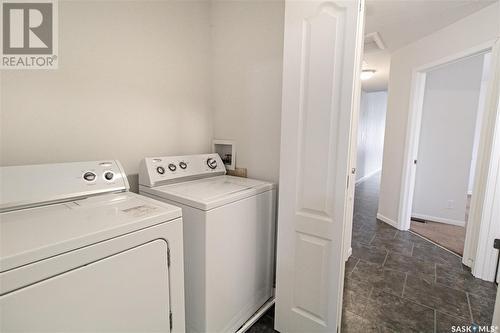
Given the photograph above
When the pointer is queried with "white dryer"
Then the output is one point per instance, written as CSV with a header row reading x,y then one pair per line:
x,y
229,225
78,252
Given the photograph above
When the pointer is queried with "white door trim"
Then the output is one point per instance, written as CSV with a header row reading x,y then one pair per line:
x,y
414,125
483,160
353,141
485,205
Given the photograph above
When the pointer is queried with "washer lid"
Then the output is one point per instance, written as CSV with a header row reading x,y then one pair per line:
x,y
34,234
212,192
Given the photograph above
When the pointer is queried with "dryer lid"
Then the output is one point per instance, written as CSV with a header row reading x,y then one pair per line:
x,y
209,193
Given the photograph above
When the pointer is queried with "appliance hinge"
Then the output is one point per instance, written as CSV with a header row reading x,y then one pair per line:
x,y
168,257
171,320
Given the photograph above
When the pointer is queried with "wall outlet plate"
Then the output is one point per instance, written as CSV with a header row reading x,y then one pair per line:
x,y
227,152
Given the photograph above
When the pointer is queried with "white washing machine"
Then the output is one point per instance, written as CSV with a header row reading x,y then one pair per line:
x,y
229,225
79,253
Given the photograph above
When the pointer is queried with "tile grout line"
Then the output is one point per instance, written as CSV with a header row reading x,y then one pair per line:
x,y
371,240
356,264
366,305
470,307
385,259
435,273
404,285
412,248
435,321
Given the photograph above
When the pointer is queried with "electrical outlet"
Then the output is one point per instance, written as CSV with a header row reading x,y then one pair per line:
x,y
450,204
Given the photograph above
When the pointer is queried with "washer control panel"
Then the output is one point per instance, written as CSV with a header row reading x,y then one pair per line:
x,y
154,171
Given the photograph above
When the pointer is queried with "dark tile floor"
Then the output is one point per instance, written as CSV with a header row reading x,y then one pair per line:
x,y
265,324
396,281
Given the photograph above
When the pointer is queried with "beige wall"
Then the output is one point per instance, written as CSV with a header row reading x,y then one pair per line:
x,y
371,127
247,40
468,32
133,81
143,78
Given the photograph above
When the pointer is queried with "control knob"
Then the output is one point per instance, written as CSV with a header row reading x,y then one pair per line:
x,y
183,165
160,170
108,175
212,163
89,176
172,167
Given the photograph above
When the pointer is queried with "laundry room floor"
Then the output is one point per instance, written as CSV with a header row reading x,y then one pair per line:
x,y
396,281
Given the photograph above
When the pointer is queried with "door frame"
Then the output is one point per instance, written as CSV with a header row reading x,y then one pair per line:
x,y
353,139
413,138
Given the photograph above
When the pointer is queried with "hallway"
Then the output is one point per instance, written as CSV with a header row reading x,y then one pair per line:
x,y
396,281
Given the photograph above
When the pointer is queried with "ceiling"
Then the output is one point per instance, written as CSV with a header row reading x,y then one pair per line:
x,y
401,22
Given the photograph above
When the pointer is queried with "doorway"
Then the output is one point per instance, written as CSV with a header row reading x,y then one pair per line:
x,y
450,126
396,280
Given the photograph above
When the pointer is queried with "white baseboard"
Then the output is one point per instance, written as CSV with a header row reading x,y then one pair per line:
x,y
349,253
438,219
362,179
388,221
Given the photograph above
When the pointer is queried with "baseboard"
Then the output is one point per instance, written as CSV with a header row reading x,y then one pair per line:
x,y
387,220
439,219
349,253
371,174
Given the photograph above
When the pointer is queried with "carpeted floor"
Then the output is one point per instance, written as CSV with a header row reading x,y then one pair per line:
x,y
448,236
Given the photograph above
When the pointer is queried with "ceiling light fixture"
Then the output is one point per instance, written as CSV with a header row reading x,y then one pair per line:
x,y
367,74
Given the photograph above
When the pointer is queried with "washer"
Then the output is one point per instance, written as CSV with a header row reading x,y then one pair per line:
x,y
78,252
229,225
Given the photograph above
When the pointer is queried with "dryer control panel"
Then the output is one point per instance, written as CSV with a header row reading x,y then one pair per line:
x,y
33,185
155,171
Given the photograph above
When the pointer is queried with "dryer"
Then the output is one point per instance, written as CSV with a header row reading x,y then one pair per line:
x,y
229,226
78,252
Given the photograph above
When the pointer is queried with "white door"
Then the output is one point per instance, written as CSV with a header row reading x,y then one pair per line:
x,y
321,61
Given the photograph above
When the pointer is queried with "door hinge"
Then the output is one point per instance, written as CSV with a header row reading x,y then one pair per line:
x,y
171,320
168,257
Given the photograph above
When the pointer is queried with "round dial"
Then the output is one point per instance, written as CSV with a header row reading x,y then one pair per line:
x,y
89,176
212,163
108,175
183,165
160,170
172,167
